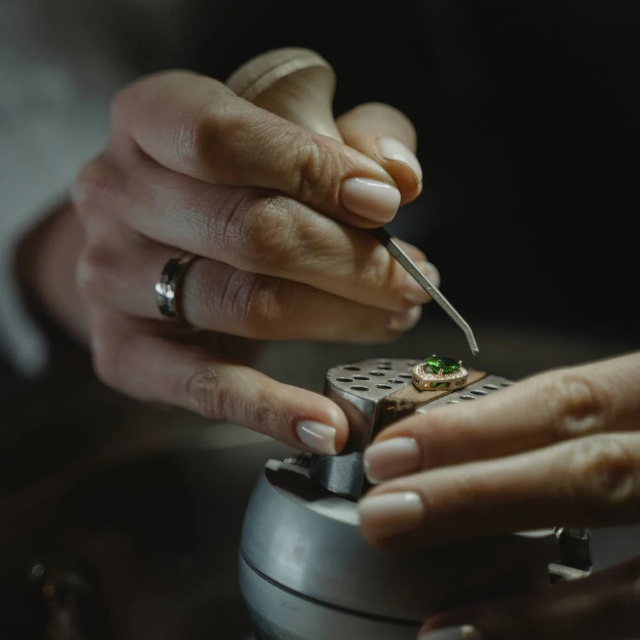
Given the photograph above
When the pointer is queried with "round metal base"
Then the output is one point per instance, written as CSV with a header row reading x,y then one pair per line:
x,y
279,614
306,573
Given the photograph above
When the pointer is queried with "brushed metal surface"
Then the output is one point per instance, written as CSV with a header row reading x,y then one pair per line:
x,y
307,540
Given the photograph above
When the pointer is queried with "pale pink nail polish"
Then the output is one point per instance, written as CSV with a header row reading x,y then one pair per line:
x,y
429,269
394,150
391,513
371,199
405,320
321,438
392,458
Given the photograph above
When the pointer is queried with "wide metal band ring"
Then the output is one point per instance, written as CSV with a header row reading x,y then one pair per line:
x,y
436,373
167,298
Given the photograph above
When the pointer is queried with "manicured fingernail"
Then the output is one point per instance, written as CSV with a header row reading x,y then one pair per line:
x,y
394,150
391,513
430,271
321,438
465,632
415,293
392,458
405,320
371,199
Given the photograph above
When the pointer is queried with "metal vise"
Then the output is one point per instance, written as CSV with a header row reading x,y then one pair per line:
x,y
305,572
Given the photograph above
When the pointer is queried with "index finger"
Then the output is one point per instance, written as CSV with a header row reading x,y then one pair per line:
x,y
593,481
196,126
545,409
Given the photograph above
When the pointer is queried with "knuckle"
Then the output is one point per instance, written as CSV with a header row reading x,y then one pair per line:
x,y
207,394
204,138
265,234
230,209
603,479
577,404
380,272
255,303
95,271
315,178
214,206
93,188
267,418
213,396
255,225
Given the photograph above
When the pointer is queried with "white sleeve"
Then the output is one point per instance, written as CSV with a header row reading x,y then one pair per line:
x,y
57,79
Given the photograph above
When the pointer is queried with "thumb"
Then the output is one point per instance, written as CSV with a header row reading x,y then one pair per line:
x,y
387,136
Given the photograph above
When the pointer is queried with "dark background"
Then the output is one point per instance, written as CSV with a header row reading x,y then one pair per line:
x,y
528,129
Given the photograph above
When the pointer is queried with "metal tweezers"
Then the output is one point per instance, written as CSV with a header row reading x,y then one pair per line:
x,y
410,267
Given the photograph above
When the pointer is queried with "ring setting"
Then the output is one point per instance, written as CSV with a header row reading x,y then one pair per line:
x,y
437,373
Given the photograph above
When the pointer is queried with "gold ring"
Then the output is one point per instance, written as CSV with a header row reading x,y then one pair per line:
x,y
437,373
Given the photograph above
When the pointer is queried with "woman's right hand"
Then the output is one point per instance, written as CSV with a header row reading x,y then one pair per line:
x,y
278,216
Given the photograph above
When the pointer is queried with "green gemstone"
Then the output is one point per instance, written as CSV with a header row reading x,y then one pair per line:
x,y
440,365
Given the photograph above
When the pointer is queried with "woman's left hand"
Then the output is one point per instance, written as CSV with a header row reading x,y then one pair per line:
x,y
559,448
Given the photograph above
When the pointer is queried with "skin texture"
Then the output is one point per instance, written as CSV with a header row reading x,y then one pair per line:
x,y
280,254
561,447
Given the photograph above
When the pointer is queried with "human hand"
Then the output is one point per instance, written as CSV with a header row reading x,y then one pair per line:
x,y
278,216
558,448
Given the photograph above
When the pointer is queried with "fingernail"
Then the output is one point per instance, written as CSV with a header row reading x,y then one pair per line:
x,y
405,320
430,271
415,293
321,438
465,632
391,513
392,458
393,150
371,199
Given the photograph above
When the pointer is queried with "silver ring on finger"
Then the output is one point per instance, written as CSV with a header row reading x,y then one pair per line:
x,y
167,287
